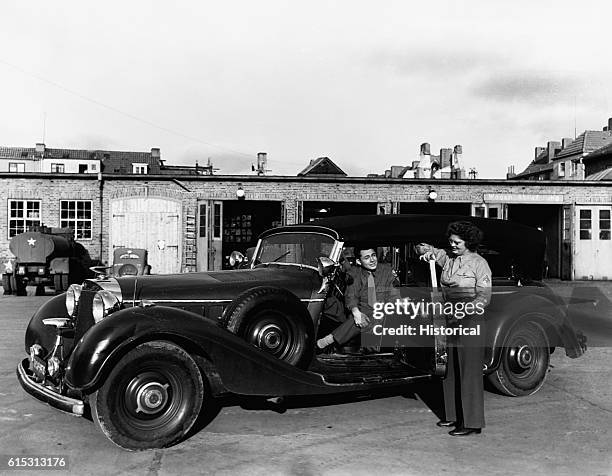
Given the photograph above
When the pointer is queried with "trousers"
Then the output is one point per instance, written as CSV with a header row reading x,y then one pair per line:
x,y
463,386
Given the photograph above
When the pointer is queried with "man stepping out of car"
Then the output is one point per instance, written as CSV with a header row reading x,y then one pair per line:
x,y
372,282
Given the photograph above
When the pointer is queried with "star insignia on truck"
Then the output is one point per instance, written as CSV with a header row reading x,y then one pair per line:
x,y
31,242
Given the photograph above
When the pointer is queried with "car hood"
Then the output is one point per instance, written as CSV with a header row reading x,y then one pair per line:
x,y
218,285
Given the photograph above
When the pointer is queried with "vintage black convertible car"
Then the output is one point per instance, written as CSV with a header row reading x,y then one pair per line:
x,y
146,355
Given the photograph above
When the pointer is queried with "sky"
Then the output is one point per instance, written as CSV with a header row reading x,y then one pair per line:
x,y
364,83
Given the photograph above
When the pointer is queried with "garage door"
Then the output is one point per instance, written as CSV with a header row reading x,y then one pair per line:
x,y
593,250
151,223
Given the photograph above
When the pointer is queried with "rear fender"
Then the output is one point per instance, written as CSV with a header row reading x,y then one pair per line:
x,y
550,315
242,368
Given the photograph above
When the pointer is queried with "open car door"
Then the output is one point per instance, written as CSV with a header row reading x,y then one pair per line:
x,y
422,342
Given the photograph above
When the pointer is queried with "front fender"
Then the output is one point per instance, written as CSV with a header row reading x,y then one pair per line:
x,y
243,368
37,332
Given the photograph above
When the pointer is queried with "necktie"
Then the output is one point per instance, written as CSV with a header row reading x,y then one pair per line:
x,y
371,289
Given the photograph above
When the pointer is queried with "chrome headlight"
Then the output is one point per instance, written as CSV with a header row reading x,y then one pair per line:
x,y
104,303
72,298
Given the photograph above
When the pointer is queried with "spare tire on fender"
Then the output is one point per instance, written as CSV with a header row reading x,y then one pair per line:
x,y
274,320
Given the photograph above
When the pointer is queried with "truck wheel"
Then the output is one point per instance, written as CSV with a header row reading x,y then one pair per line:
x,y
524,362
65,282
6,284
19,286
57,283
275,321
151,398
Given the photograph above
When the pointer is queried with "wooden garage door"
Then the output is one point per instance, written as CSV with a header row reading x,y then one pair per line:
x,y
151,223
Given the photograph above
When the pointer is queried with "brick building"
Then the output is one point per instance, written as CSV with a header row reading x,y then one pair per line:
x,y
583,158
192,222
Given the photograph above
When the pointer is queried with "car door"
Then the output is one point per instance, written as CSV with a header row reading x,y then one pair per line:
x,y
418,320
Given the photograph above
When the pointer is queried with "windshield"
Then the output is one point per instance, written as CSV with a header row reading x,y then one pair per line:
x,y
294,248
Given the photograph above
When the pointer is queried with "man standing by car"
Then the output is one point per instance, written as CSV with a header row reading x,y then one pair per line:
x,y
372,282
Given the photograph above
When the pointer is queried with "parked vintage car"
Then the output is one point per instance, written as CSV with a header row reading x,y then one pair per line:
x,y
146,355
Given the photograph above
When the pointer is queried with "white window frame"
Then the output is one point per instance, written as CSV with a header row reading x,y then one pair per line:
x,y
56,165
26,221
76,222
140,168
562,169
17,166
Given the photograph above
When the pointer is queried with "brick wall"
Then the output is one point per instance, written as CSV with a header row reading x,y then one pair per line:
x,y
289,190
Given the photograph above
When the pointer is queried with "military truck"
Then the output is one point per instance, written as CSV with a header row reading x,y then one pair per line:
x,y
45,256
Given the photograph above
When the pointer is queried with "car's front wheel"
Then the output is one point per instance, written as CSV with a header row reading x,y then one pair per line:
x,y
524,361
151,398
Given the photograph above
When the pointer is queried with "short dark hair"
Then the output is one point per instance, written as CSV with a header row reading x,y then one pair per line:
x,y
363,247
467,231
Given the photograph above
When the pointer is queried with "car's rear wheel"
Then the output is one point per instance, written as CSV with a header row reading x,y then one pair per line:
x,y
151,398
273,320
524,362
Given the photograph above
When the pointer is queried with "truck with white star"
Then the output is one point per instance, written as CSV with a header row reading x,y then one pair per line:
x,y
45,256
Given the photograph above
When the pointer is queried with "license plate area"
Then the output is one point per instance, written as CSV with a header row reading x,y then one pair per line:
x,y
38,367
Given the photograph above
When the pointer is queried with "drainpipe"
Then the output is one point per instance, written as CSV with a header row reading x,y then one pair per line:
x,y
101,205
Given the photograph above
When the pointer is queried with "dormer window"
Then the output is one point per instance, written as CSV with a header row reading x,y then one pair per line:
x,y
140,169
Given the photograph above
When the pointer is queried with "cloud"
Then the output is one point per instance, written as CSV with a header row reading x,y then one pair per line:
x,y
438,62
528,87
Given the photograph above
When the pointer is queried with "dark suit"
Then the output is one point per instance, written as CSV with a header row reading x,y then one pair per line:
x,y
356,295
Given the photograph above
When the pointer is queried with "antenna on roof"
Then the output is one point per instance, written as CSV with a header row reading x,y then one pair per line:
x,y
574,117
44,127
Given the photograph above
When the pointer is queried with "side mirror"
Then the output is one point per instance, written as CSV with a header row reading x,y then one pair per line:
x,y
236,259
326,266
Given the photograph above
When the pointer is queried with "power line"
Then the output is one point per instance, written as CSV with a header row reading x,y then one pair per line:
x,y
123,113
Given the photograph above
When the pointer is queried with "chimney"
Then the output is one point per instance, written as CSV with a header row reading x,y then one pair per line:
x,y
262,163
445,157
155,153
510,173
552,148
425,149
457,156
40,148
610,124
538,151
565,142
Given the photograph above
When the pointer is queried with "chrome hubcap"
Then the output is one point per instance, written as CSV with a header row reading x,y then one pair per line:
x,y
524,357
269,337
151,397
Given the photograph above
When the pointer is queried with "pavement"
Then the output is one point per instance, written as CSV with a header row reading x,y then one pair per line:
x,y
564,429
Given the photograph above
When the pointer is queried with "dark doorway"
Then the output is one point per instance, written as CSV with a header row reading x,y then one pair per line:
x,y
546,218
435,208
316,210
244,221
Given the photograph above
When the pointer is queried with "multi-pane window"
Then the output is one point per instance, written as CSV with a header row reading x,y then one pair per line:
x,y
217,220
202,220
76,214
16,167
22,215
57,168
140,169
585,224
604,224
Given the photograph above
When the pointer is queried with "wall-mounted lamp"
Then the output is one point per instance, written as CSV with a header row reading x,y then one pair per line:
x,y
432,195
240,192
323,210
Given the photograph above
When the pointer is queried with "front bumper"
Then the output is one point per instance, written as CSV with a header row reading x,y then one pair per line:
x,y
46,394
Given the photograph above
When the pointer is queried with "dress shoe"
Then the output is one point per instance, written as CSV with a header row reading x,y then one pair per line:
x,y
465,431
444,423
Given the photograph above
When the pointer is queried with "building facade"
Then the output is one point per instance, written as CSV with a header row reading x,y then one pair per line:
x,y
193,222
